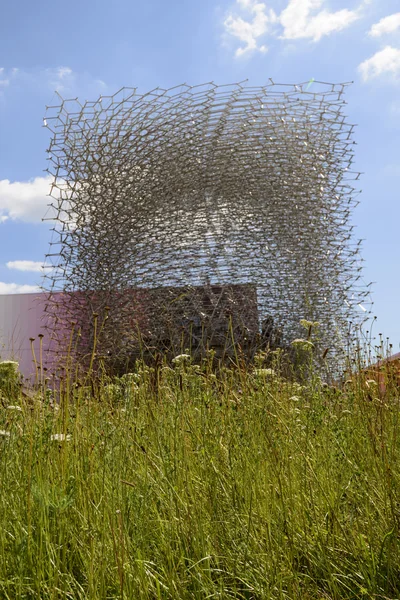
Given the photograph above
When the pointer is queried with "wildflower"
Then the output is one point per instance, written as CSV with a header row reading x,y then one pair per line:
x,y
9,369
4,433
260,357
307,324
16,408
113,390
264,372
9,364
297,387
302,343
130,378
180,359
60,437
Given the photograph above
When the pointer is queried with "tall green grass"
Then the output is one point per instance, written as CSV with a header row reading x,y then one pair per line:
x,y
180,482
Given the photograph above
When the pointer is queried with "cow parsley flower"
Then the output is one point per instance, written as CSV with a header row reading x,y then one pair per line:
x,y
180,359
264,372
60,437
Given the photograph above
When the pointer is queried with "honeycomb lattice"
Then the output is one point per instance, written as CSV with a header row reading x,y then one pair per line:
x,y
201,215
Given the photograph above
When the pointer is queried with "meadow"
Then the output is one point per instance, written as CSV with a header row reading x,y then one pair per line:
x,y
184,482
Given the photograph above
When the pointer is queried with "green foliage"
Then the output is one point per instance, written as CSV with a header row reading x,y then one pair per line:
x,y
10,379
180,482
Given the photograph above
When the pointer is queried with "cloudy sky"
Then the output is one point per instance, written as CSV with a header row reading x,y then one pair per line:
x,y
85,49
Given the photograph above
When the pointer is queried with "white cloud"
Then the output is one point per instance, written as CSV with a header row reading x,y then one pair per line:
x,y
300,20
3,82
386,25
63,72
25,265
24,200
249,30
61,79
386,61
16,288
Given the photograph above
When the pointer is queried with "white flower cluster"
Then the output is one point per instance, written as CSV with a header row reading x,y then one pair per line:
x,y
266,373
304,344
60,437
181,359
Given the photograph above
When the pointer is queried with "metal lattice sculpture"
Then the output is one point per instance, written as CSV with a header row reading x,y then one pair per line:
x,y
199,216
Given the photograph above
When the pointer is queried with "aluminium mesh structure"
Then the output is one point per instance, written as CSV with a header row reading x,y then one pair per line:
x,y
202,216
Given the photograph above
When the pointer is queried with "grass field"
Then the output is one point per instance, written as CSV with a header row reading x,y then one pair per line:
x,y
187,483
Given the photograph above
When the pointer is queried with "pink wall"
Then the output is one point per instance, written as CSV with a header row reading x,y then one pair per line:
x,y
21,317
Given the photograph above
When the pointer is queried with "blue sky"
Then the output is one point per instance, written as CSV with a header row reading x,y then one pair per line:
x,y
84,49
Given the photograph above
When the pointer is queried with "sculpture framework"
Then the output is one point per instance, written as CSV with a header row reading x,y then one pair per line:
x,y
200,216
